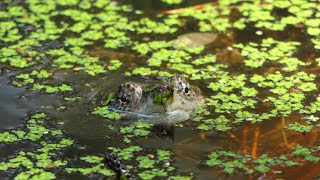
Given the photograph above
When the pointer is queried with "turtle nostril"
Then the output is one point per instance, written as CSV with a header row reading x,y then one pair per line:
x,y
123,99
186,90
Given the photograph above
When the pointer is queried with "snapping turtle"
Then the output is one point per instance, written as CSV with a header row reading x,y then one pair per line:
x,y
171,101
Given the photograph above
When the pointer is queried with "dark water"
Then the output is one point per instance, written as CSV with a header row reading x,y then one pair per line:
x,y
189,146
12,109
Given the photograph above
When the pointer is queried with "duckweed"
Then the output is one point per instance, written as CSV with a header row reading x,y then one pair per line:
x,y
137,129
98,167
276,78
149,164
300,128
271,51
172,1
231,161
104,112
36,130
35,164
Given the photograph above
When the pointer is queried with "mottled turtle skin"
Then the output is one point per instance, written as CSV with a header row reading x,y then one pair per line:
x,y
181,98
128,96
185,96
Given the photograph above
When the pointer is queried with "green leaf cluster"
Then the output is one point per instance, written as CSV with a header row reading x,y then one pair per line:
x,y
137,129
103,111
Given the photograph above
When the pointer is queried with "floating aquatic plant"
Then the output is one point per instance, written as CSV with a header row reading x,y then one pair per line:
x,y
137,129
275,79
35,164
104,112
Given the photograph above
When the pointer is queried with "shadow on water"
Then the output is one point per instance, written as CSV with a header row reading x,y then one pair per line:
x,y
12,109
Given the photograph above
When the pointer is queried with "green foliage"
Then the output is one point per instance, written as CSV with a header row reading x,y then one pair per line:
x,y
35,173
126,153
152,46
231,161
300,128
144,71
220,124
172,1
92,159
137,129
36,130
98,167
38,38
72,98
24,79
208,59
153,164
63,88
35,164
305,153
270,50
180,178
104,112
114,64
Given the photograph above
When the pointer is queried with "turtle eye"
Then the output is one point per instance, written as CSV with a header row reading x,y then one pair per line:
x,y
186,90
123,99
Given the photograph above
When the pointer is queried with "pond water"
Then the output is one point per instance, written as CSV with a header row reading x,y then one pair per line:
x,y
259,77
12,109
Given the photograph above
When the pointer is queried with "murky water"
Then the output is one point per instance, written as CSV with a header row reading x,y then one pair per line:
x,y
190,147
12,109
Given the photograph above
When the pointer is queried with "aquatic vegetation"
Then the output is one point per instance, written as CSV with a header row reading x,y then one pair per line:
x,y
27,78
316,43
138,129
72,98
98,167
172,1
300,128
231,161
35,164
63,88
104,112
32,79
152,46
270,51
126,153
220,124
144,71
305,153
114,64
155,164
262,66
233,96
36,130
